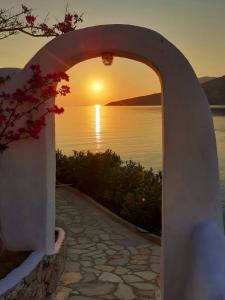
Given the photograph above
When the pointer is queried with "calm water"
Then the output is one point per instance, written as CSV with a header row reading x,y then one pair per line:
x,y
132,132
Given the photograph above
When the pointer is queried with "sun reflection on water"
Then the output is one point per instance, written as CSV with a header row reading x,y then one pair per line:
x,y
98,124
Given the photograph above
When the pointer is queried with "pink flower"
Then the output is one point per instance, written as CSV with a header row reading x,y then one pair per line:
x,y
55,109
57,76
49,92
34,127
68,18
30,20
64,90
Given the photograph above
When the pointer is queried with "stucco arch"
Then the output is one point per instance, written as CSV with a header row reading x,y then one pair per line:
x,y
190,170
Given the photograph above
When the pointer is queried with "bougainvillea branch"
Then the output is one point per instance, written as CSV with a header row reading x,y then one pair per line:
x,y
20,116
25,22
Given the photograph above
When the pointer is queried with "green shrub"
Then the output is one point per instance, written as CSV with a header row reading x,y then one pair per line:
x,y
126,188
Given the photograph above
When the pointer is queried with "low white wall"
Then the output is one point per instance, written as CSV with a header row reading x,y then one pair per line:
x,y
13,282
17,275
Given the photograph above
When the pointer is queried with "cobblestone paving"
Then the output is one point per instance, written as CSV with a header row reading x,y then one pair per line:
x,y
105,259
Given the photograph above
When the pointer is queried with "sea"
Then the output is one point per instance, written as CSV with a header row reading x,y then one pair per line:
x,y
133,132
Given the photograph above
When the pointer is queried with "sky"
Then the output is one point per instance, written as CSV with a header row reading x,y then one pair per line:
x,y
196,27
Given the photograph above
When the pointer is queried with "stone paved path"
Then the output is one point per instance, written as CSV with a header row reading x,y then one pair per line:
x,y
105,259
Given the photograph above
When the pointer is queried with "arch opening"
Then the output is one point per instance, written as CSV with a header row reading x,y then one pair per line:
x,y
134,133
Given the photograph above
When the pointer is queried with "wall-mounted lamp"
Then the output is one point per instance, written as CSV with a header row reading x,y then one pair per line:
x,y
107,58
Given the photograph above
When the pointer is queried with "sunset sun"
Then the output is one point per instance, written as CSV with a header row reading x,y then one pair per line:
x,y
97,87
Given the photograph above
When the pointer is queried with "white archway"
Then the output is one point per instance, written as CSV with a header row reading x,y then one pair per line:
x,y
190,170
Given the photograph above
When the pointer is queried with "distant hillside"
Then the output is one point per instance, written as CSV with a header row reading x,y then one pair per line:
x,y
214,89
153,99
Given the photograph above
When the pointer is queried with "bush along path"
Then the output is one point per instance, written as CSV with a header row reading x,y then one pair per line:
x,y
105,259
124,187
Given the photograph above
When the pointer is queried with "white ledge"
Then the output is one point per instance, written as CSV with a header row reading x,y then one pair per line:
x,y
28,265
23,270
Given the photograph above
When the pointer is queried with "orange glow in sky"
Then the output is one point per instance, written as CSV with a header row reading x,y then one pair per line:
x,y
196,33
91,82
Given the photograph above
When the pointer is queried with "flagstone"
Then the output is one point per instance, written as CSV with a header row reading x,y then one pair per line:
x,y
100,261
137,267
73,257
62,293
78,297
140,257
147,275
110,243
102,247
124,252
144,286
83,240
106,276
97,288
118,261
94,253
105,268
86,263
72,266
108,297
150,294
147,251
71,277
133,250
116,237
124,292
77,230
78,251
89,277
155,259
111,252
155,250
131,278
155,268
89,246
121,270
117,247
105,237
91,270
138,262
